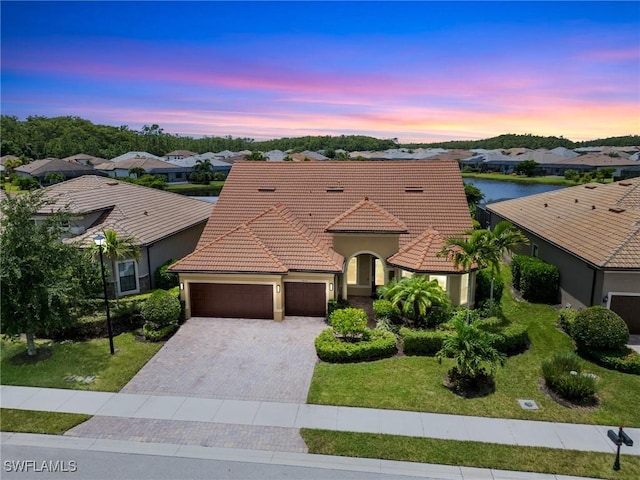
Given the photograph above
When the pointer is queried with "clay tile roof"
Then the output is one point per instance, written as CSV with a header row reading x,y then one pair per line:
x,y
598,223
145,213
289,243
421,255
366,216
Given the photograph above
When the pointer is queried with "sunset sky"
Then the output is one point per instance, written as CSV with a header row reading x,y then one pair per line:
x,y
416,71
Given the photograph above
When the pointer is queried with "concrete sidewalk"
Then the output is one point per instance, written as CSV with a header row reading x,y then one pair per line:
x,y
291,415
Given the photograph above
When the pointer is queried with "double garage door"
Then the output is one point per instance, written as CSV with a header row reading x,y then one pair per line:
x,y
231,300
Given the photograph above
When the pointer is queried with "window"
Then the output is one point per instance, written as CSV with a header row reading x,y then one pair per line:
x,y
464,288
352,271
127,279
406,274
379,272
534,250
442,280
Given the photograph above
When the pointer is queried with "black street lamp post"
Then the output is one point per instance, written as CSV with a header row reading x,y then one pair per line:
x,y
100,241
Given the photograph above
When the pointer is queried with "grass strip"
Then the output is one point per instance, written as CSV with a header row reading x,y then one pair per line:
x,y
31,421
471,454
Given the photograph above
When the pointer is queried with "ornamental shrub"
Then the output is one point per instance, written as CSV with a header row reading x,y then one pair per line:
x,y
375,344
625,360
597,328
539,281
483,287
517,261
508,338
422,342
566,317
338,304
386,309
161,309
165,279
349,323
563,374
157,335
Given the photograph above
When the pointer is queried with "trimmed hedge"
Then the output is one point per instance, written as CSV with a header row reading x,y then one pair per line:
x,y
349,322
375,344
598,328
566,318
333,305
625,360
512,339
563,374
422,342
165,279
538,281
160,334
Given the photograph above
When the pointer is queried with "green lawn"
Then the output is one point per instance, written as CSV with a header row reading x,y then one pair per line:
x,y
212,189
471,454
30,421
416,383
501,177
79,358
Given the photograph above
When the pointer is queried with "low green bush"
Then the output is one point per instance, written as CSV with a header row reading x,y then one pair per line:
x,y
161,308
624,360
511,339
517,262
564,375
333,305
386,309
483,287
165,279
436,315
157,335
598,328
422,342
349,323
375,344
566,317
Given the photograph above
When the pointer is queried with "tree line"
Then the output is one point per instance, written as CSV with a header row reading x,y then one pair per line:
x,y
40,137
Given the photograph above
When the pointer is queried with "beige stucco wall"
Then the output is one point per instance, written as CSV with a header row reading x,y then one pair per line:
x,y
628,282
454,286
276,281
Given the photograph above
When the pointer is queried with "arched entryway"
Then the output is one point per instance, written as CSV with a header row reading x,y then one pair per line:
x,y
365,271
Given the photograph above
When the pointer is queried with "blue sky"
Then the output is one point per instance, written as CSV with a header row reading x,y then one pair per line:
x,y
418,71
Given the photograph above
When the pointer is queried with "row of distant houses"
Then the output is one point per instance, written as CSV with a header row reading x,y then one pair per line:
x,y
176,166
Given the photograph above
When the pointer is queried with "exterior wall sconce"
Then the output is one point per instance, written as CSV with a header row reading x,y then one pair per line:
x,y
277,288
331,287
181,285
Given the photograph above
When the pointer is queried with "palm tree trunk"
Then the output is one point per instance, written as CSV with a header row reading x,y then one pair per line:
x,y
491,295
115,284
31,345
469,298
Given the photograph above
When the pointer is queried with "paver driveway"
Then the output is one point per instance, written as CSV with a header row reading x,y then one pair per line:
x,y
234,359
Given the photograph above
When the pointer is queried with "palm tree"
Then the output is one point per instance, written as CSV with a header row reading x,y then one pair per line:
x,y
504,238
472,350
414,296
467,251
119,248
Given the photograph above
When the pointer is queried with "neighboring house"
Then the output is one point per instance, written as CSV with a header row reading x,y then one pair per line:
x,y
217,164
130,155
592,234
178,155
286,237
85,159
164,225
493,160
169,171
39,169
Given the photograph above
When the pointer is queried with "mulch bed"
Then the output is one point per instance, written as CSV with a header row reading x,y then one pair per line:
x,y
22,358
587,406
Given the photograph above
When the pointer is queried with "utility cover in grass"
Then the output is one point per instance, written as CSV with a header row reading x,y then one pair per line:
x,y
528,404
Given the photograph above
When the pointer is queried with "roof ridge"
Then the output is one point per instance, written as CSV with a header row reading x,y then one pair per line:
x,y
631,191
366,201
617,250
264,247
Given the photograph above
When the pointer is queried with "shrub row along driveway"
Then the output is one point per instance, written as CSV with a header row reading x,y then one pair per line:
x,y
234,359
223,358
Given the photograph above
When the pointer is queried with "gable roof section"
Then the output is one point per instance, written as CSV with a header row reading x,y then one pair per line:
x,y
421,255
421,195
272,242
598,223
147,214
366,216
42,167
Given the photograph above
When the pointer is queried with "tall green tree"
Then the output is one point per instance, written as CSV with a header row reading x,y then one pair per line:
x,y
415,296
465,252
39,274
115,248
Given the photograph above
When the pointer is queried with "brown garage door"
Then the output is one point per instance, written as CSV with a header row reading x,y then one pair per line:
x,y
305,299
231,300
628,307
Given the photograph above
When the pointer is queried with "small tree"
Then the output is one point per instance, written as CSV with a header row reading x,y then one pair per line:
x,y
527,167
119,248
415,296
39,275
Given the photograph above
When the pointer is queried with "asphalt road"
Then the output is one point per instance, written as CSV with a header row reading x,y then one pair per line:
x,y
25,463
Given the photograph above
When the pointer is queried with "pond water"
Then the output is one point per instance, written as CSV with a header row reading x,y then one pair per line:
x,y
207,199
495,191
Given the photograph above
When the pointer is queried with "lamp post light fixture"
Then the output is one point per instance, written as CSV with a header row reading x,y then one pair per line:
x,y
100,240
